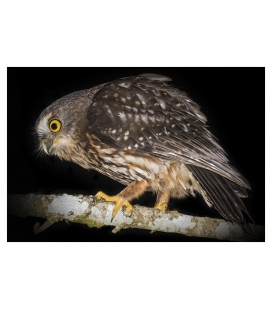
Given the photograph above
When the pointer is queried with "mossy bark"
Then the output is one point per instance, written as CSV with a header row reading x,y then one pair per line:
x,y
98,213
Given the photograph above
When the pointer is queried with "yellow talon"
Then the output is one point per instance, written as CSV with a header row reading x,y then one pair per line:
x,y
119,202
161,207
101,195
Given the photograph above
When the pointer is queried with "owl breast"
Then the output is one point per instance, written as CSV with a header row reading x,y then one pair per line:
x,y
126,166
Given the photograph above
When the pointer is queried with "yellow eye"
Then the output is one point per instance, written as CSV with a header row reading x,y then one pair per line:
x,y
55,125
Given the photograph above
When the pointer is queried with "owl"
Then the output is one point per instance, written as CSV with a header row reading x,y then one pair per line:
x,y
148,135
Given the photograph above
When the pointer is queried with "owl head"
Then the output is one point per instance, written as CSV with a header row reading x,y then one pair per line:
x,y
53,129
59,124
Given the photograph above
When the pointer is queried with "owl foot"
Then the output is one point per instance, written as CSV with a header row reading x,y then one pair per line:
x,y
161,207
119,202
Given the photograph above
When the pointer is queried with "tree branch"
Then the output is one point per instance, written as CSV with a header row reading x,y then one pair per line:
x,y
98,213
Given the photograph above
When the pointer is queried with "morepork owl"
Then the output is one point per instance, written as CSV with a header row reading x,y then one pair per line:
x,y
148,135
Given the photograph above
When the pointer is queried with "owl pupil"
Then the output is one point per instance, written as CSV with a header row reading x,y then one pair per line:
x,y
54,126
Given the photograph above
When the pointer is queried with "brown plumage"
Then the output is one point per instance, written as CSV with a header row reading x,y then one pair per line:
x,y
147,135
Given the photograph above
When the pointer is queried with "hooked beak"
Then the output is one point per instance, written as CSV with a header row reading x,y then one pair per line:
x,y
47,146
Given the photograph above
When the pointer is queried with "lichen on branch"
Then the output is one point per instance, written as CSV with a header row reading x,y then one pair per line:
x,y
97,213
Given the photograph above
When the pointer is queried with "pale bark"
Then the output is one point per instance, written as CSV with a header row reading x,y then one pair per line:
x,y
97,213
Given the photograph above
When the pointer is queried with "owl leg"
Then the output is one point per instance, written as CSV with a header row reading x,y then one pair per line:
x,y
162,200
132,191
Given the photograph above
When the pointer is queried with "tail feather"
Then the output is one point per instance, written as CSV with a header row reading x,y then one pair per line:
x,y
240,191
216,193
224,195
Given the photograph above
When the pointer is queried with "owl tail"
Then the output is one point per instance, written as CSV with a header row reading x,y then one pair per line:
x,y
224,196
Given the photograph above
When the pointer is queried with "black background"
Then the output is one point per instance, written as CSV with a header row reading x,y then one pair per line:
x,y
233,99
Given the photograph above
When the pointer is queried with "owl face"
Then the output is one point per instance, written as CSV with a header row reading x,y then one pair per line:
x,y
55,128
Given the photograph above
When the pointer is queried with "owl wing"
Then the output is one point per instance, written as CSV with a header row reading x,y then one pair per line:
x,y
145,114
